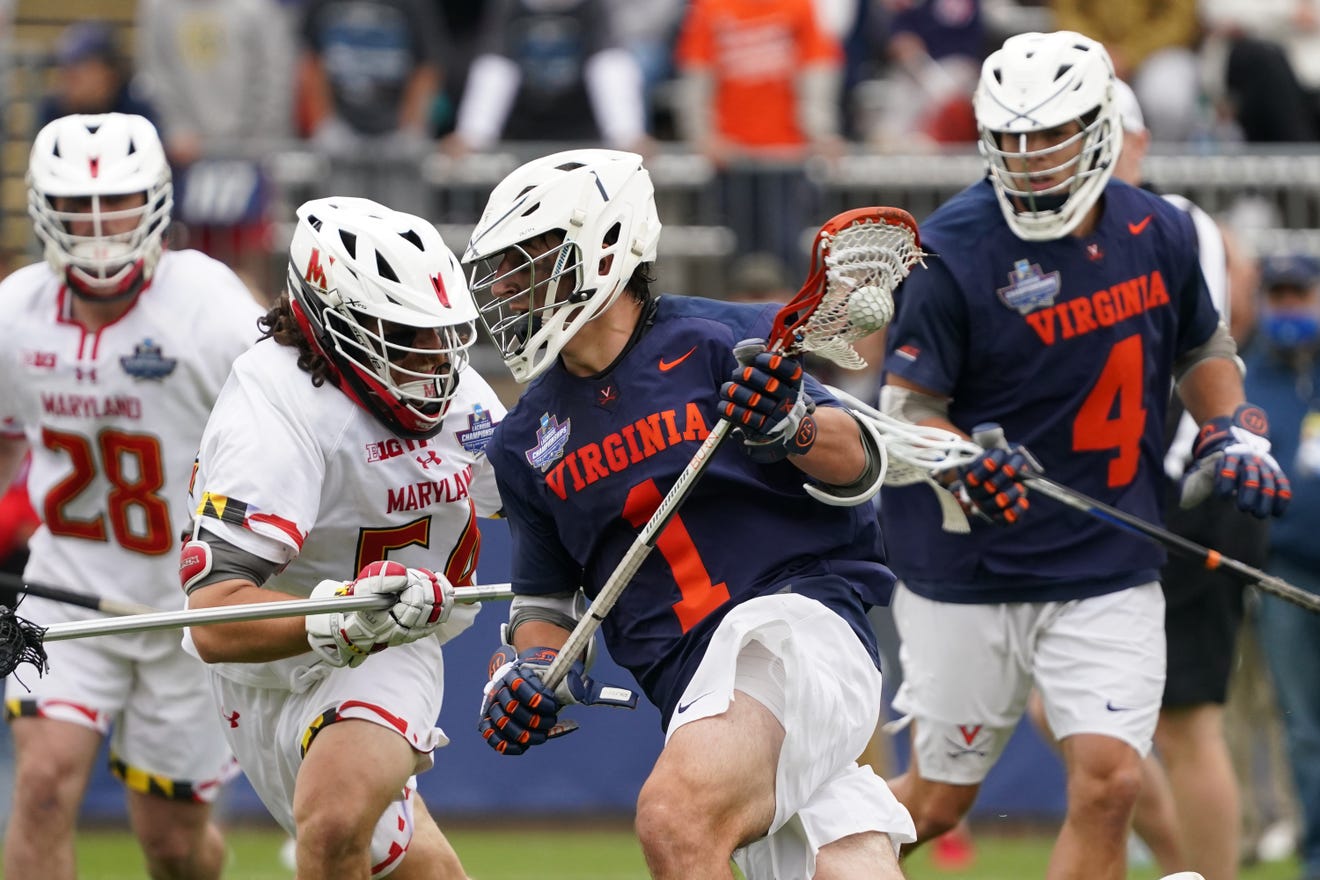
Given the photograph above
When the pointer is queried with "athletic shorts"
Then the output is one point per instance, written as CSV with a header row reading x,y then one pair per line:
x,y
270,730
1204,608
805,664
968,669
143,690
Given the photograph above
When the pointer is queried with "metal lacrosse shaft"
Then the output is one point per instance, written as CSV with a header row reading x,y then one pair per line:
x,y
257,611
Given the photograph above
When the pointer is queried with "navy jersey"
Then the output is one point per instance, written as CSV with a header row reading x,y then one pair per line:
x,y
582,463
1069,345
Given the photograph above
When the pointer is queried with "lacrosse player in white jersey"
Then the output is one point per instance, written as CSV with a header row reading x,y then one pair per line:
x,y
111,354
346,455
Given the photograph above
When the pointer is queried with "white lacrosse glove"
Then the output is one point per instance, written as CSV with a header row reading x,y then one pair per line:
x,y
423,600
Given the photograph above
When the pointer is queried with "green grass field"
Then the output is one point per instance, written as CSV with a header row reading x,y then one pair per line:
x,y
510,854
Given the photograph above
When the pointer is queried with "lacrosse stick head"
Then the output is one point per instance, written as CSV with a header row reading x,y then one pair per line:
x,y
20,642
857,260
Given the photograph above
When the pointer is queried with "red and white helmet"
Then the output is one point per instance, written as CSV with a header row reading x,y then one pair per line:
x,y
363,279
90,157
602,203
1038,82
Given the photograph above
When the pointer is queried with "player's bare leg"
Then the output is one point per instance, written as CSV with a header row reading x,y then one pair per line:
x,y
430,857
936,807
711,790
1195,753
352,772
1104,778
1154,818
178,838
52,763
858,856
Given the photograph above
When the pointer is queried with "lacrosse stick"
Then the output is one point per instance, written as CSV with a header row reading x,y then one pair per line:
x,y
858,258
22,641
71,597
915,448
1211,560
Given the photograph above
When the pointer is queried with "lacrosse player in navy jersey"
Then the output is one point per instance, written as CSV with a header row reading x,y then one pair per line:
x,y
746,626
1060,304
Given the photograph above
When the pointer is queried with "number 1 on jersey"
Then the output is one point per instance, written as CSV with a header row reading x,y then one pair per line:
x,y
1112,416
700,596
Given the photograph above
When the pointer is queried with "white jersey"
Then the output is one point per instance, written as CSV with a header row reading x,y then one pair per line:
x,y
302,476
113,418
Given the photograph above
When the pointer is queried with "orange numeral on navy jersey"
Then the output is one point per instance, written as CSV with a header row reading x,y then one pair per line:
x,y
1112,416
139,517
700,596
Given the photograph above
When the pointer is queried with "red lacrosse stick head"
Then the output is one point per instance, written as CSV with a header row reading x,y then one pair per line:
x,y
792,316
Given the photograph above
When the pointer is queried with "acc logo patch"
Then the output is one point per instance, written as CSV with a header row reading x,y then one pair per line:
x,y
147,362
551,438
481,427
1029,288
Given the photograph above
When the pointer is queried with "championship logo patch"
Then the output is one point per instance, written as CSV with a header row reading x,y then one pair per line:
x,y
1029,288
481,427
551,438
146,362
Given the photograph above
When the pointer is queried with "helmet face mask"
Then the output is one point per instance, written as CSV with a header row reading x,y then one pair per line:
x,y
1049,130
532,287
383,300
100,197
558,242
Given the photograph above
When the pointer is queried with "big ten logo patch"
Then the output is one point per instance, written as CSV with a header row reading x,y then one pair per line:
x,y
384,450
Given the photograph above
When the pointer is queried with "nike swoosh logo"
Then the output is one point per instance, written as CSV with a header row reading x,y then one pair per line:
x,y
1110,704
1138,228
683,707
666,366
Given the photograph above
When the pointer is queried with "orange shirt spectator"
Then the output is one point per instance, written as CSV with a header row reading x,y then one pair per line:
x,y
755,52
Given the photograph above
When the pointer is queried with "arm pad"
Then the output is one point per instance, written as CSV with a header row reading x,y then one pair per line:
x,y
865,487
912,406
1219,345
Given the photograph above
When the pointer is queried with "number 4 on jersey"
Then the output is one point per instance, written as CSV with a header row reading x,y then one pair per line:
x,y
1112,416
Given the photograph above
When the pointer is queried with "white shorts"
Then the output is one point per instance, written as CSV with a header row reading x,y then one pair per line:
x,y
270,730
968,670
166,738
805,664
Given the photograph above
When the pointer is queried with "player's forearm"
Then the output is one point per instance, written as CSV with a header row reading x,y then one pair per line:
x,y
838,456
1212,388
539,634
252,641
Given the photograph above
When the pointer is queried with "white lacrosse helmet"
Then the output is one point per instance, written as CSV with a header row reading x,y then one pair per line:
x,y
363,280
91,157
1036,83
602,203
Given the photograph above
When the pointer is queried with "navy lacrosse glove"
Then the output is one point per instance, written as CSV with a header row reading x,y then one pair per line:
x,y
1232,458
991,484
518,711
766,402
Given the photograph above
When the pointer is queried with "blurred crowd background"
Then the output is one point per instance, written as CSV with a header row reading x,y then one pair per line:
x,y
759,118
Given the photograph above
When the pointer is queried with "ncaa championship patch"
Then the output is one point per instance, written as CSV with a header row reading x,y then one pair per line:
x,y
1029,288
479,431
551,438
147,362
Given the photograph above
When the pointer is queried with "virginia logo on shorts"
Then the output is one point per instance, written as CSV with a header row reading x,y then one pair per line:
x,y
971,733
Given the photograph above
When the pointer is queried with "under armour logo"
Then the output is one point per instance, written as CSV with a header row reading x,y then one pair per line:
x,y
429,459
232,719
88,373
